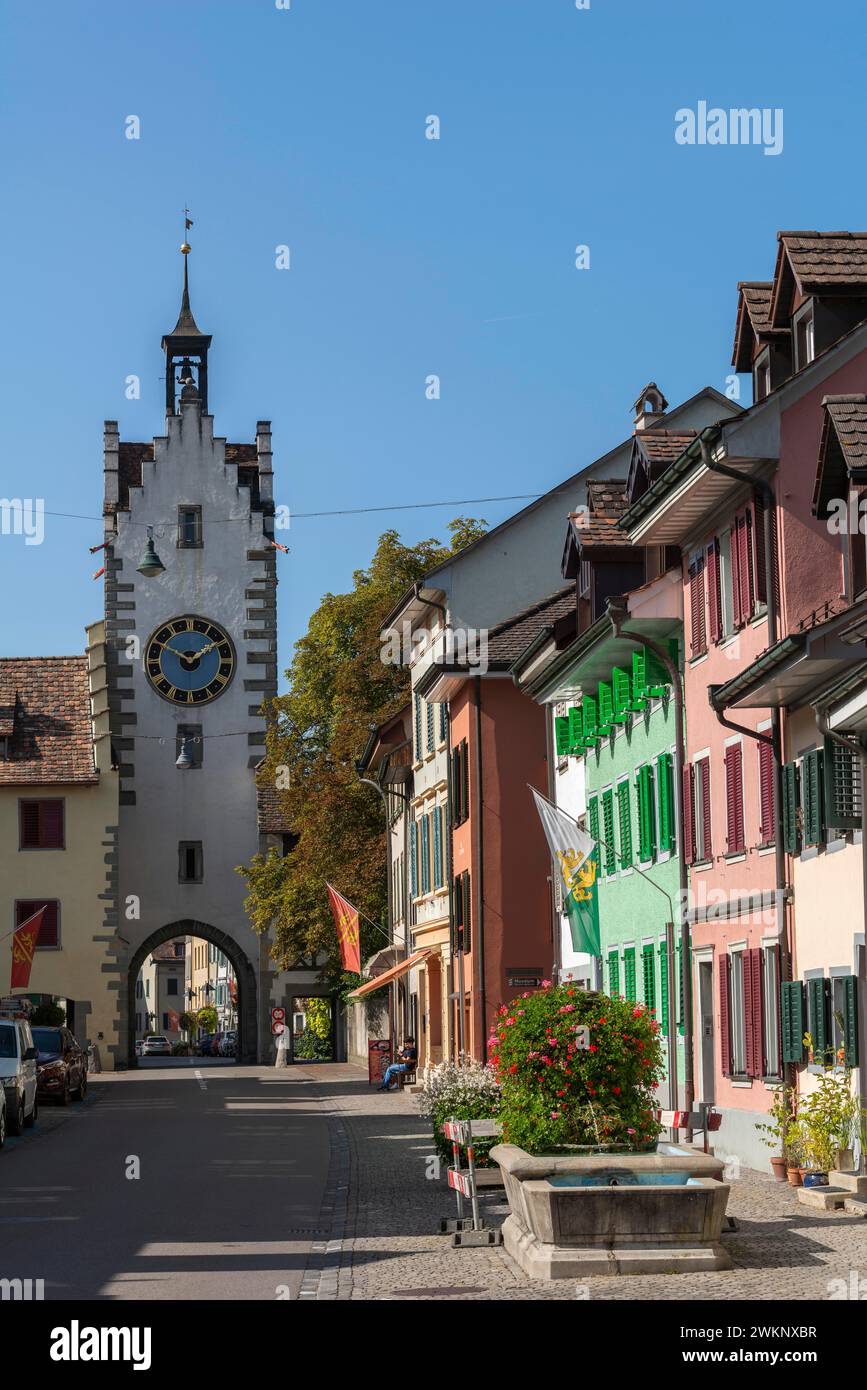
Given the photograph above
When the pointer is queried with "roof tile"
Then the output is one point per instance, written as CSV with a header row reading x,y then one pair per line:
x,y
46,699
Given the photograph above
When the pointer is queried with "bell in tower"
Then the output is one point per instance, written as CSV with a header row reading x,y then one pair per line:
x,y
186,349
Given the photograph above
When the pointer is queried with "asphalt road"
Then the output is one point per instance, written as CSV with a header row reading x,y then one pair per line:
x,y
232,1164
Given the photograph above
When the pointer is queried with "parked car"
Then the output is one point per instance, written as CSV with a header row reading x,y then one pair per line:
x,y
205,1045
18,1073
61,1069
229,1044
156,1045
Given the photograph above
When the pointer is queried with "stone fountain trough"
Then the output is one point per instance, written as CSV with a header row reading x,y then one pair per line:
x,y
651,1213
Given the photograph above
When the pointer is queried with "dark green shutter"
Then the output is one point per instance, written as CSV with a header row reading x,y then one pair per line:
x,y
663,988
437,849
467,910
681,1016
625,824
629,972
561,735
413,858
812,789
606,708
621,687
792,1020
817,996
648,976
457,912
608,831
842,787
850,1021
639,678
646,816
791,833
613,973
577,724
589,714
465,780
593,817
666,802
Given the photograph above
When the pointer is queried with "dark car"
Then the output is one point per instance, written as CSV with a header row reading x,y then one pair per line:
x,y
61,1065
205,1045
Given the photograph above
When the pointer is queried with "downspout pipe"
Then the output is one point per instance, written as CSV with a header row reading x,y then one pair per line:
x,y
556,925
618,612
479,924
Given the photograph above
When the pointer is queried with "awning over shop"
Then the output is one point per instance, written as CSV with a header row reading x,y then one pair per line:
x,y
388,975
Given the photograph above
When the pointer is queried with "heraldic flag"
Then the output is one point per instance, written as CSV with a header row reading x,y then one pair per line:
x,y
346,921
577,855
23,946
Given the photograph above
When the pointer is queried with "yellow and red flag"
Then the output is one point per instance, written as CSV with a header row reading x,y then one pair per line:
x,y
348,929
23,946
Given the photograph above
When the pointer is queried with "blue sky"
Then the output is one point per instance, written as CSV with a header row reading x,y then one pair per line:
x,y
409,256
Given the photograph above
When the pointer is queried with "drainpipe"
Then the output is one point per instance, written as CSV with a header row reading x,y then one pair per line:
x,y
479,926
772,583
556,927
618,612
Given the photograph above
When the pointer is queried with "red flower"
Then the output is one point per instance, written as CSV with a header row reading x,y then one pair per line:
x,y
615,1090
514,1067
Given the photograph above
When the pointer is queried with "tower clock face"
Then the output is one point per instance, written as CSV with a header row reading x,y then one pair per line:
x,y
189,661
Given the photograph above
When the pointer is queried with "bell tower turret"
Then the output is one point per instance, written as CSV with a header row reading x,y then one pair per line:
x,y
186,349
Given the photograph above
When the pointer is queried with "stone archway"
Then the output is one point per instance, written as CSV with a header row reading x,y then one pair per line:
x,y
244,972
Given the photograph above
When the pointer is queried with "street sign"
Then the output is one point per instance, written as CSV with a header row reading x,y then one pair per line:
x,y
278,1015
278,1028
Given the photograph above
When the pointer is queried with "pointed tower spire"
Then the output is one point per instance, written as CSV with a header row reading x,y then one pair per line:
x,y
186,341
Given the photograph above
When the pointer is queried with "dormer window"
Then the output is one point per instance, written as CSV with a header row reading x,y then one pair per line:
x,y
802,325
762,375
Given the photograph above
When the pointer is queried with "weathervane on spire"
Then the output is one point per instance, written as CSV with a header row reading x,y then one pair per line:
x,y
188,222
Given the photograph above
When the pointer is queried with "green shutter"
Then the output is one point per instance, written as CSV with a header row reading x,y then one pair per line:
x,y
850,1021
646,816
413,858
621,688
577,725
663,988
639,678
593,817
444,720
613,973
608,831
625,824
791,834
465,780
648,975
812,788
629,972
666,801
817,998
606,708
681,1019
467,910
842,786
457,913
792,1020
438,849
562,737
590,722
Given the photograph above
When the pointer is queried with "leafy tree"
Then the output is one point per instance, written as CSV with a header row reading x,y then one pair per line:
x,y
340,687
207,1019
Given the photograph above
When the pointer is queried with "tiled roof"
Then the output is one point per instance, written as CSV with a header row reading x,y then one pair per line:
x,y
849,417
827,259
842,451
757,301
754,323
664,446
272,817
129,467
606,496
508,640
48,699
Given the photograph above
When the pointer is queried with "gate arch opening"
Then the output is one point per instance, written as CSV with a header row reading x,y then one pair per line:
x,y
244,973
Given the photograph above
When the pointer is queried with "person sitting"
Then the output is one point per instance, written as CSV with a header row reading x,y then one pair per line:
x,y
407,1058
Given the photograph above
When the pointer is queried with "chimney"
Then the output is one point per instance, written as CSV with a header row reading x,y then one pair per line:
x,y
650,407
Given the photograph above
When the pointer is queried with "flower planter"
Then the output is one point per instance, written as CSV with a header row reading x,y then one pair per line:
x,y
794,1177
613,1213
813,1177
778,1165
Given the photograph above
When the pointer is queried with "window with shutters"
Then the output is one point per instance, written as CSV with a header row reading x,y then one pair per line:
x,y
688,814
416,727
609,855
844,1018
648,976
792,1020
621,690
702,811
760,566
663,987
49,933
737,1014
818,992
439,875
698,632
767,811
813,797
629,982
562,738
734,799
771,1011
429,717
727,612
743,577
842,786
467,911
624,823
646,805
754,1037
425,854
613,973
444,722
791,780
681,1015
462,908
714,591
593,817
665,798
413,858
41,823
460,783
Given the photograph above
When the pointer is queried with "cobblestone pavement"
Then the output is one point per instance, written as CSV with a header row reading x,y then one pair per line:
x,y
385,1214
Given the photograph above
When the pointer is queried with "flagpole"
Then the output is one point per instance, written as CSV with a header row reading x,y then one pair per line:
x,y
357,909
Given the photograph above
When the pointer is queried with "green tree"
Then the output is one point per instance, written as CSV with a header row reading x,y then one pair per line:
x,y
207,1019
339,687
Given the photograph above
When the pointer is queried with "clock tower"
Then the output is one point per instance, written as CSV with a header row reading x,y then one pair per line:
x,y
191,651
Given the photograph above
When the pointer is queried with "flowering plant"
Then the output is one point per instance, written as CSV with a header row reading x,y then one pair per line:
x,y
557,1094
468,1091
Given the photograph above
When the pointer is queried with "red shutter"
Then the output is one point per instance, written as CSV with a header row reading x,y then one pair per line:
x,y
734,799
725,1032
749,1031
51,824
29,825
714,604
704,810
755,1023
688,816
759,544
742,582
698,643
766,792
25,908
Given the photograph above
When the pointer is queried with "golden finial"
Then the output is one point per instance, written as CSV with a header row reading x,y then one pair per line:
x,y
188,222
186,248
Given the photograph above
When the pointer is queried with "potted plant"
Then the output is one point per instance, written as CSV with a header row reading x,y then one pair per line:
x,y
832,1113
793,1149
467,1091
773,1130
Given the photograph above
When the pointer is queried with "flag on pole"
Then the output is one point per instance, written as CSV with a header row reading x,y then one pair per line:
x,y
348,931
23,946
577,856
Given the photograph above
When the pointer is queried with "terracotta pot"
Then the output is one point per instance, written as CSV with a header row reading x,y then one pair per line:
x,y
794,1176
778,1166
845,1160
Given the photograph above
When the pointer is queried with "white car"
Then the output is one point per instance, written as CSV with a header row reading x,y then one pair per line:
x,y
155,1045
18,1059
